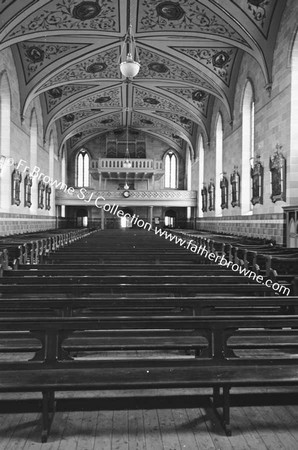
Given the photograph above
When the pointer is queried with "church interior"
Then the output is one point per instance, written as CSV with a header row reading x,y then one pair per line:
x,y
148,224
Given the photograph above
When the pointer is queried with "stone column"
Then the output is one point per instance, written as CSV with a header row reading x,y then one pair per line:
x,y
150,214
102,213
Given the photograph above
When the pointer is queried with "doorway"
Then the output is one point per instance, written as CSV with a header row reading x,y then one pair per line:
x,y
126,221
170,218
82,218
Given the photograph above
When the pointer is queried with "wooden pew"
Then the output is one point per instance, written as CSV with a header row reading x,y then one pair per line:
x,y
35,247
65,306
125,287
121,279
114,268
217,366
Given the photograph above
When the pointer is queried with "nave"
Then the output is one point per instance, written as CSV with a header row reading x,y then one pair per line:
x,y
152,302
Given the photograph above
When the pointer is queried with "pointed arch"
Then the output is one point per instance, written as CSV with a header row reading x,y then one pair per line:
x,y
188,169
293,163
201,169
218,162
82,168
248,131
5,134
171,170
51,155
33,139
5,115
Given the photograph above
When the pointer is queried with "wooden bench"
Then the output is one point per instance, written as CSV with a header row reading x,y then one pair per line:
x,y
114,268
217,367
65,306
130,278
174,288
35,247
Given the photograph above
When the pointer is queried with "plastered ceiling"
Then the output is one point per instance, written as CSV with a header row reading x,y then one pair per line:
x,y
67,53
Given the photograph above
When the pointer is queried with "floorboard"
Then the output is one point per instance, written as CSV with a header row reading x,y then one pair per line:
x,y
168,431
257,428
136,432
197,425
120,431
152,430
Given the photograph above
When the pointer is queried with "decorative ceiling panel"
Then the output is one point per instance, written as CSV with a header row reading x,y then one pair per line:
x,y
259,11
57,95
112,120
183,121
36,56
145,121
156,126
101,66
169,134
155,66
185,15
70,119
81,136
197,97
144,98
107,98
72,15
217,60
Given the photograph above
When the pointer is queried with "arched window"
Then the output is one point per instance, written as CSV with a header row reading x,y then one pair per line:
x,y
189,179
33,160
63,177
5,113
218,164
33,140
5,118
51,157
201,171
292,165
188,169
171,170
83,168
248,120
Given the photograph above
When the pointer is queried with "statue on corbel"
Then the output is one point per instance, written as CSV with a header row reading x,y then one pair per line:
x,y
235,184
277,166
257,175
27,191
41,190
211,195
16,179
204,198
224,186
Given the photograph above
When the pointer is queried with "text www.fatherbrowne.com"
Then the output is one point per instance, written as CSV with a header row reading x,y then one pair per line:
x,y
221,260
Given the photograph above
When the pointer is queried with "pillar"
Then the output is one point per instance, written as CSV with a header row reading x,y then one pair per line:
x,y
102,215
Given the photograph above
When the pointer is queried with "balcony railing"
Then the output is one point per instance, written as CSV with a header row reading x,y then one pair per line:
x,y
139,164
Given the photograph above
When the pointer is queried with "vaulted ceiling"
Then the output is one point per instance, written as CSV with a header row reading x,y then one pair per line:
x,y
67,52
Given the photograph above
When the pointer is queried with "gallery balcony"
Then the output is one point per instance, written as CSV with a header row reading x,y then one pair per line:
x,y
114,169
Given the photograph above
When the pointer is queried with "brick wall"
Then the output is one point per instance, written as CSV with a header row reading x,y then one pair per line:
x,y
265,226
22,223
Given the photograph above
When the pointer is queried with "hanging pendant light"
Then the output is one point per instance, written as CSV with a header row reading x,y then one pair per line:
x,y
129,68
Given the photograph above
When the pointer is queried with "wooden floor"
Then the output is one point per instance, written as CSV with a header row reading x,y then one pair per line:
x,y
151,420
166,428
